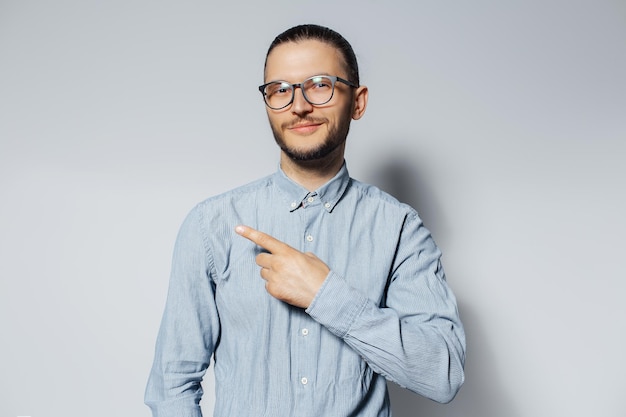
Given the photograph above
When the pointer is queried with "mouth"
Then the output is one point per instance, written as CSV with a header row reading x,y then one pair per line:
x,y
305,127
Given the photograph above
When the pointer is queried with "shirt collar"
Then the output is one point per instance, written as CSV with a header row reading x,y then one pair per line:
x,y
329,194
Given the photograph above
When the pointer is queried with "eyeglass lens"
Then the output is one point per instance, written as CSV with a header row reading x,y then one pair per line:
x,y
317,91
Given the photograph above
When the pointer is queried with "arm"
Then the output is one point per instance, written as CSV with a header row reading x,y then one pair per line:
x,y
416,338
189,328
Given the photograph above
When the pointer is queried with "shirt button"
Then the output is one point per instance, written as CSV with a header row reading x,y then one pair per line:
x,y
309,238
310,199
327,205
305,332
294,204
304,381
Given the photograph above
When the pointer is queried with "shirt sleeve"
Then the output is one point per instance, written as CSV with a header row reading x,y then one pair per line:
x,y
189,328
414,337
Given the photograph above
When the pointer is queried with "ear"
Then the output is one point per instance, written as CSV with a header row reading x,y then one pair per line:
x,y
360,102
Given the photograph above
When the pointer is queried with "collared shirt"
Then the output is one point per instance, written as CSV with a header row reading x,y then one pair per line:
x,y
384,312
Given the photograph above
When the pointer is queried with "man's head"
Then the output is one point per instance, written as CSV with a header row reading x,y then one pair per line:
x,y
309,129
323,34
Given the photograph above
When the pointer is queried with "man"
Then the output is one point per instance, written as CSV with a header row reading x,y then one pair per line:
x,y
309,288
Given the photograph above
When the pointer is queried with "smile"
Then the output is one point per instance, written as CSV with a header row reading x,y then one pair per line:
x,y
305,128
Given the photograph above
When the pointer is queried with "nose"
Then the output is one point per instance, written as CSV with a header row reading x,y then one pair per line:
x,y
300,106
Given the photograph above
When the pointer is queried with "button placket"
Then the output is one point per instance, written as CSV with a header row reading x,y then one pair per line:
x,y
311,216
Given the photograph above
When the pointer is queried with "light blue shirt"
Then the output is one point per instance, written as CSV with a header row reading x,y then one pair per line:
x,y
384,312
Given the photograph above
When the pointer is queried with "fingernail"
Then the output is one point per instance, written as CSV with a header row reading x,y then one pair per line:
x,y
239,229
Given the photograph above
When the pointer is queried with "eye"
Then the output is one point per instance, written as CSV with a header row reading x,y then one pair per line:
x,y
277,89
320,83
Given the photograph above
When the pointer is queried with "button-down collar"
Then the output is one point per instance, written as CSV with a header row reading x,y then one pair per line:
x,y
329,194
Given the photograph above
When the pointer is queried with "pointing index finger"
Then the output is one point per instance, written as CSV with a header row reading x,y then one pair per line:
x,y
262,239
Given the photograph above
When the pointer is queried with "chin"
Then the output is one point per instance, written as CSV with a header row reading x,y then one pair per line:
x,y
315,147
315,153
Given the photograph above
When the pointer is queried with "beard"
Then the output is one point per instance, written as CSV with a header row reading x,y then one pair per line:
x,y
336,137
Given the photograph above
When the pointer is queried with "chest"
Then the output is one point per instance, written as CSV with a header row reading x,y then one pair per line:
x,y
358,245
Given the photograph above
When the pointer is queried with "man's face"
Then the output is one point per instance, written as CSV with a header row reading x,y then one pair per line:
x,y
305,132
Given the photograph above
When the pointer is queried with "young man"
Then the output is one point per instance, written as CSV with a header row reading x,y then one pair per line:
x,y
309,288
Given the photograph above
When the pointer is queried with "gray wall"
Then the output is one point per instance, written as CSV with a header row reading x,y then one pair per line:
x,y
504,123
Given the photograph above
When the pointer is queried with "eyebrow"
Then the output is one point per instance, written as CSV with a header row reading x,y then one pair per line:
x,y
306,78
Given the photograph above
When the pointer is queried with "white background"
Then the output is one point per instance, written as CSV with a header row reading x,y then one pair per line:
x,y
502,122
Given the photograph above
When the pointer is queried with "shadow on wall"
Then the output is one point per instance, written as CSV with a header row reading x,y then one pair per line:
x,y
482,394
398,176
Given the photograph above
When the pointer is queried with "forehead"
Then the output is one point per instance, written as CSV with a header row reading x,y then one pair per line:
x,y
295,61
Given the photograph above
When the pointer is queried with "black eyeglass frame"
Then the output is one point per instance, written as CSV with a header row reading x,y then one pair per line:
x,y
332,78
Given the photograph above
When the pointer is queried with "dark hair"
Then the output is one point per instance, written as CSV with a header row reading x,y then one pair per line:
x,y
322,34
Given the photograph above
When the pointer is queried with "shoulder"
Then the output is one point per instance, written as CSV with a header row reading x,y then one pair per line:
x,y
223,210
372,195
213,220
243,191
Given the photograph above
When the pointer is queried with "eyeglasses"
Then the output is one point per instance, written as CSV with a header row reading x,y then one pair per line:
x,y
316,90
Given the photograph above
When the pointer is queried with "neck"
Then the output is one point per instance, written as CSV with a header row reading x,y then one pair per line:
x,y
311,174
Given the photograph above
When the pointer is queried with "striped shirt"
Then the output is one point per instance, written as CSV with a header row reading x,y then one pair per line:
x,y
384,312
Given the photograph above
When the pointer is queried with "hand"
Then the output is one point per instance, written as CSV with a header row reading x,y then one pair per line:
x,y
290,275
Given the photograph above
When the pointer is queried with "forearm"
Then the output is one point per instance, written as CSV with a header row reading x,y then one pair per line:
x,y
424,353
174,386
164,404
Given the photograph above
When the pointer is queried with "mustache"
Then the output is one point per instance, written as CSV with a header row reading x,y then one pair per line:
x,y
303,120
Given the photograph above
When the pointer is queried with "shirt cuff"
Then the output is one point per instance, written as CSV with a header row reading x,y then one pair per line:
x,y
175,410
176,413
336,305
